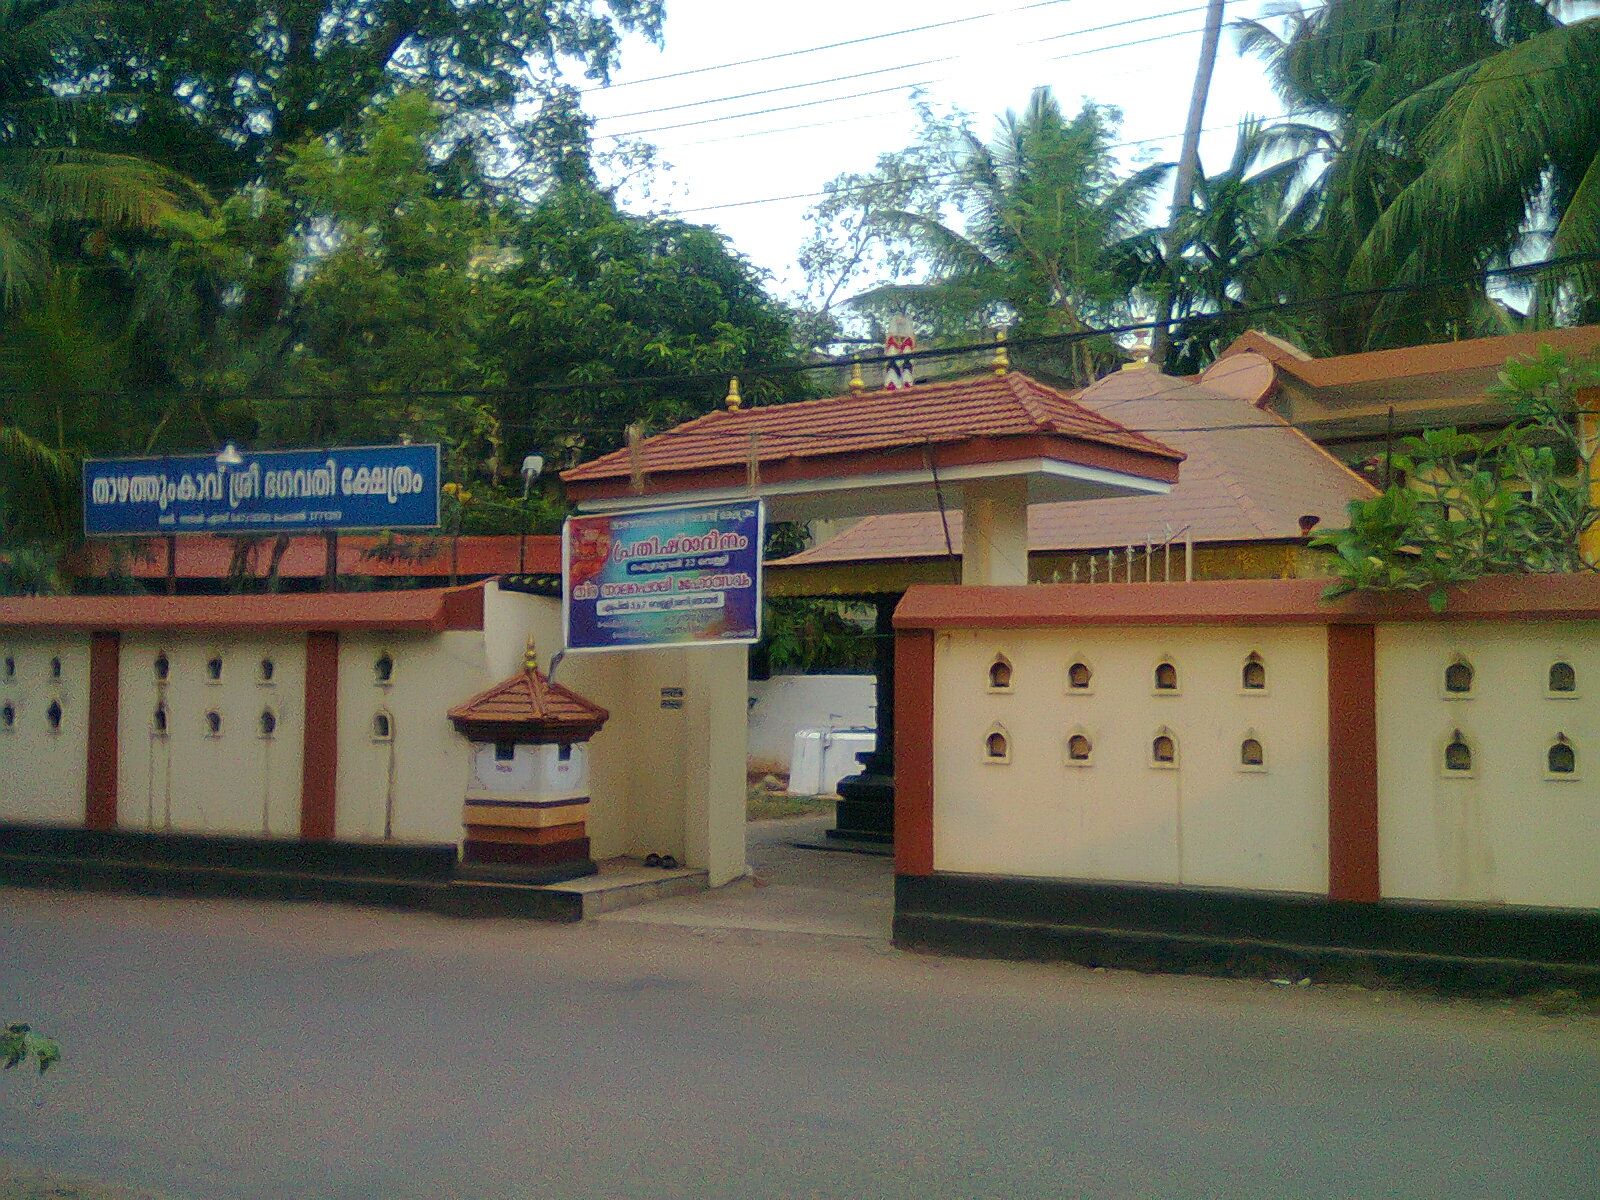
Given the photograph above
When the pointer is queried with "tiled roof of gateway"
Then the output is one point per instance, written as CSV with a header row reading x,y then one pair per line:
x,y
529,700
986,406
1248,476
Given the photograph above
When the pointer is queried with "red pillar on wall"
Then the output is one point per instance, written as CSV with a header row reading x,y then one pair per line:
x,y
100,779
913,752
1352,763
320,756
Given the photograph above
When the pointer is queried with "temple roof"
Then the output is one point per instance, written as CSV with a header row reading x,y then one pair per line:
x,y
1249,477
990,424
529,705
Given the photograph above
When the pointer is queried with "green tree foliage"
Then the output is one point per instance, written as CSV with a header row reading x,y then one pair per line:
x,y
46,177
1463,505
1042,211
1456,134
1247,240
219,89
19,1044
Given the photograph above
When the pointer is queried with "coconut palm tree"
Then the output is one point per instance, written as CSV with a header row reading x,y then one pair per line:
x,y
1246,240
46,176
1043,209
1456,132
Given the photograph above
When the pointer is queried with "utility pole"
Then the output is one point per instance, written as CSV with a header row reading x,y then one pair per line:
x,y
1183,185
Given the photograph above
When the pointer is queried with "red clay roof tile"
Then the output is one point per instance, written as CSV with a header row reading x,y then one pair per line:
x,y
960,410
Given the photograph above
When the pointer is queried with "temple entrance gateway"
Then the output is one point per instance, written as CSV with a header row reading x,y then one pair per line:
x,y
981,448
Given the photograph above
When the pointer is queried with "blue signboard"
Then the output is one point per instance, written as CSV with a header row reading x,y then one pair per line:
x,y
273,491
683,576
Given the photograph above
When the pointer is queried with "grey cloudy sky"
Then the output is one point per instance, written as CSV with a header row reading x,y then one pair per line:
x,y
725,152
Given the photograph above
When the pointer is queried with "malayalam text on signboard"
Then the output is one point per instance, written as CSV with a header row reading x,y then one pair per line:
x,y
272,491
663,577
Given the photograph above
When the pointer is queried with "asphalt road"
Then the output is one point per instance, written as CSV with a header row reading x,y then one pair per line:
x,y
219,1049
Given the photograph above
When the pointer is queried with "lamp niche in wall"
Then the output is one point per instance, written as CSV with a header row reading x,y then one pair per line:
x,y
1561,759
1562,681
1166,678
162,667
214,669
383,670
55,667
1459,679
268,724
213,724
1080,749
158,721
1080,677
1457,756
53,716
1252,755
266,672
1000,674
11,667
382,727
1253,676
8,717
1164,749
997,745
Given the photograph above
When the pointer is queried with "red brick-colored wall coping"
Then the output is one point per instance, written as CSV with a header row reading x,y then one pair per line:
x,y
1238,602
100,781
1142,464
1353,763
434,610
320,751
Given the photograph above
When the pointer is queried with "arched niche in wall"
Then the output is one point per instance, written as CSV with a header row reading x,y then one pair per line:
x,y
1000,673
162,667
1561,759
266,671
1459,678
214,669
267,724
383,669
9,672
1164,749
1459,760
1252,753
1080,677
1164,680
158,721
997,745
1253,675
8,717
382,726
213,724
1078,749
53,715
1561,681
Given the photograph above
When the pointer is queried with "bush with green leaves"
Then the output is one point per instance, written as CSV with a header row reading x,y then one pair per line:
x,y
1463,505
19,1044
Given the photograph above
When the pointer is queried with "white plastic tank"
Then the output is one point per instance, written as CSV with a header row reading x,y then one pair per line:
x,y
822,757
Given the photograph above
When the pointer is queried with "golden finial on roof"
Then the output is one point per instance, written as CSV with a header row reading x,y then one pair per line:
x,y
734,400
1140,351
530,658
1002,357
857,384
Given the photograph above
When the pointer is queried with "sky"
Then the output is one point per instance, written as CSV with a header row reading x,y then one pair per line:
x,y
719,152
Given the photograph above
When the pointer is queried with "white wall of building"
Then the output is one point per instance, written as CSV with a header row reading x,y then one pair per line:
x,y
785,704
1206,819
1508,831
43,768
237,779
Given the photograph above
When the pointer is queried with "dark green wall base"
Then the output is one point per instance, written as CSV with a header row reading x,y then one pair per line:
x,y
419,877
1477,949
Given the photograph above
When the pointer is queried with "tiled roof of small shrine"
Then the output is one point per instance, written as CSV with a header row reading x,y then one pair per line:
x,y
529,702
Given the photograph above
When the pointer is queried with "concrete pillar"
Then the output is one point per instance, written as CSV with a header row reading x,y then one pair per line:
x,y
994,538
715,731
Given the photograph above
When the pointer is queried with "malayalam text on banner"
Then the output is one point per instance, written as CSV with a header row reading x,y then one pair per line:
x,y
688,575
271,491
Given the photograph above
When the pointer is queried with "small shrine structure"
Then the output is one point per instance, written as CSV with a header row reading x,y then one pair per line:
x,y
527,799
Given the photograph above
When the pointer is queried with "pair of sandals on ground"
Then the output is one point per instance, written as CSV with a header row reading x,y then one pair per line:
x,y
665,861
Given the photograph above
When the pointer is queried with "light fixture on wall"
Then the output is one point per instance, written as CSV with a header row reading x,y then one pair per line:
x,y
229,457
